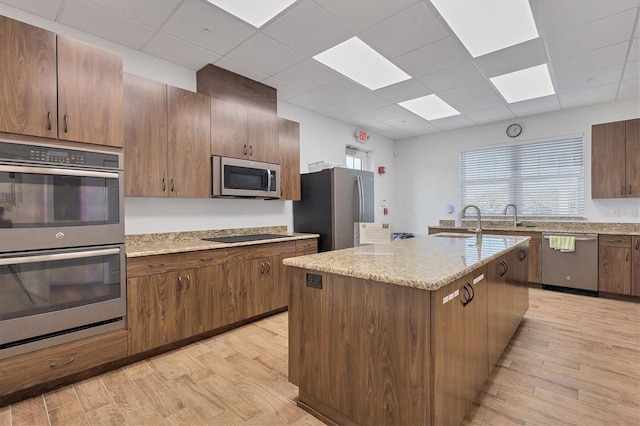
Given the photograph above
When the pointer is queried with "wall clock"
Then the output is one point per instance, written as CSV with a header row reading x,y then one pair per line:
x,y
514,130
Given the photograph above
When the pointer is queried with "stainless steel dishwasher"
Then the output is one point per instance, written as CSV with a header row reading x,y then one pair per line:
x,y
576,269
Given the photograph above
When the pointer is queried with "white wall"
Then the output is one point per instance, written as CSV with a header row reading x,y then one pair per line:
x,y
321,138
429,178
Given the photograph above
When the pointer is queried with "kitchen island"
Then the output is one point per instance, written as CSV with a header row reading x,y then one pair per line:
x,y
405,332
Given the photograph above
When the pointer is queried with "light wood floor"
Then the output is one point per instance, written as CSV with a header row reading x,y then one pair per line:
x,y
574,361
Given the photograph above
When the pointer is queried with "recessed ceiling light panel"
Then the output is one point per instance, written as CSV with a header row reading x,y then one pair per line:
x,y
429,107
254,12
488,25
358,61
530,83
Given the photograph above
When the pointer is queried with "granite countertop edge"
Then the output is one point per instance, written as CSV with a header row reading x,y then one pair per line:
x,y
603,228
302,263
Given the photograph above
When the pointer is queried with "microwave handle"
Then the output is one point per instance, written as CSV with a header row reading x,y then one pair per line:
x,y
54,171
59,256
268,179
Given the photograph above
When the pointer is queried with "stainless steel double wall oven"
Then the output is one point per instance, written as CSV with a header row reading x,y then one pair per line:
x,y
62,256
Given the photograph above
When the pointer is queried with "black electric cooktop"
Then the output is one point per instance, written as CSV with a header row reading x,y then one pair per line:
x,y
245,238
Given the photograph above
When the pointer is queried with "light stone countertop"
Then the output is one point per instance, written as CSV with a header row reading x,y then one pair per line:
x,y
549,226
138,245
427,263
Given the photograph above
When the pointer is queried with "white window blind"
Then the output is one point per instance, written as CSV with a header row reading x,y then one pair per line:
x,y
541,179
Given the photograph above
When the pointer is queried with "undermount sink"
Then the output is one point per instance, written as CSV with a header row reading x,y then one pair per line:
x,y
244,238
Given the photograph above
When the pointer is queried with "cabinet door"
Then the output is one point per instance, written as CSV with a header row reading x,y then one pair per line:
x,y
260,292
145,129
518,277
228,129
289,149
28,94
500,311
89,94
189,148
535,262
237,280
608,160
632,133
614,267
262,135
635,273
155,309
212,297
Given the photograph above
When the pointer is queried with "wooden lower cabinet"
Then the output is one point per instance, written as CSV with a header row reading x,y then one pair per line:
x,y
635,272
34,368
615,264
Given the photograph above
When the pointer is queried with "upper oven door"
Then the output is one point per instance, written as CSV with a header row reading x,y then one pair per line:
x,y
244,178
50,207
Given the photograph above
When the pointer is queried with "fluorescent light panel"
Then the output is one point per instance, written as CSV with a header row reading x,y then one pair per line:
x,y
529,83
358,61
429,107
488,25
254,12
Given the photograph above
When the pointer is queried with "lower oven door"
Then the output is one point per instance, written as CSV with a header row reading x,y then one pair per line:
x,y
46,294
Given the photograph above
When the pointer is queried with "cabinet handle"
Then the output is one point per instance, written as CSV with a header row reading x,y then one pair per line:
x,y
626,258
244,149
622,189
49,124
614,241
66,123
522,255
164,185
179,283
262,267
250,150
60,364
637,241
188,281
629,190
156,265
268,266
504,268
206,259
473,292
466,290
173,185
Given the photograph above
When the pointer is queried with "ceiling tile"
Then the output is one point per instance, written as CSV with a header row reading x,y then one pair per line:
x,y
630,89
45,8
593,95
387,113
309,29
361,14
535,106
595,35
432,58
588,80
479,89
265,55
285,92
514,58
340,90
307,75
194,16
412,124
405,31
149,12
99,21
553,17
634,52
395,134
238,68
632,70
405,90
590,61
177,51
490,115
455,122
452,77
309,101
355,106
479,104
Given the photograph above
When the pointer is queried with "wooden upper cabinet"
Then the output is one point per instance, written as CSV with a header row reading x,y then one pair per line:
x,y
262,135
28,94
289,149
228,129
90,95
615,160
145,129
189,150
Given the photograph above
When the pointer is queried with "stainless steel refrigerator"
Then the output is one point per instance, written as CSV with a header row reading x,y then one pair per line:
x,y
332,200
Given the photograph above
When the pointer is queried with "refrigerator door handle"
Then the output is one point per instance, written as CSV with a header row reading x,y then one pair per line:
x,y
360,198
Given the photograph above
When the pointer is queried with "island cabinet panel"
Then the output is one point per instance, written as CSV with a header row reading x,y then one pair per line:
x,y
360,349
635,273
459,346
28,92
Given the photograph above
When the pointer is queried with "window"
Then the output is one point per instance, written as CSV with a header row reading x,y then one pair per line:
x,y
541,179
357,159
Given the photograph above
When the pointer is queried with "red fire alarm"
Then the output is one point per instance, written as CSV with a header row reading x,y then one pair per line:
x,y
385,211
381,170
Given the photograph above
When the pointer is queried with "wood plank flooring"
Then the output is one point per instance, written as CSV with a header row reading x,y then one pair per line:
x,y
575,360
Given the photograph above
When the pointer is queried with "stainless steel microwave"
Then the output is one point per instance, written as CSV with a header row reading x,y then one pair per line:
x,y
234,177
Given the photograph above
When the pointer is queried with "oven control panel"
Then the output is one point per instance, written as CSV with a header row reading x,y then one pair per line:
x,y
50,156
11,151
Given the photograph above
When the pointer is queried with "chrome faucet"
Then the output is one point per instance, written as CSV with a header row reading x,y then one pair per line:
x,y
478,230
515,213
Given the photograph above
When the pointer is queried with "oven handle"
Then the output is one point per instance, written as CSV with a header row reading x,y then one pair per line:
x,y
52,171
59,256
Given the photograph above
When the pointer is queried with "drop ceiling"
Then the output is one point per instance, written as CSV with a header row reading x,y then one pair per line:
x,y
592,48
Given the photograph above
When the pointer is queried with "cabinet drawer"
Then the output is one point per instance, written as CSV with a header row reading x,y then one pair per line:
x,y
161,263
306,246
614,241
41,366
